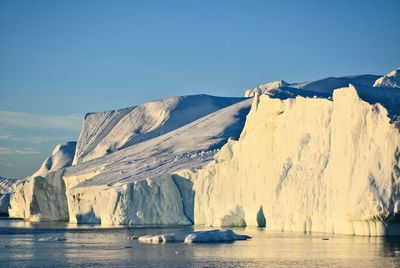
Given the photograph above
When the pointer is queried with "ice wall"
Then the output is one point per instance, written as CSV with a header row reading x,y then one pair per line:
x,y
40,198
309,165
153,201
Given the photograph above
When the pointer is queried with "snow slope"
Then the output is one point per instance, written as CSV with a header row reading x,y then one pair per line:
x,y
311,165
108,132
62,156
321,88
392,79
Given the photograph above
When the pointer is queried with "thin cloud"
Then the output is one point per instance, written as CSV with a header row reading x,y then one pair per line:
x,y
39,121
5,150
24,150
32,139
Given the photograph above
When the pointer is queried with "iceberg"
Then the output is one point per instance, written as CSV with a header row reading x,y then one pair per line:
x,y
308,165
302,157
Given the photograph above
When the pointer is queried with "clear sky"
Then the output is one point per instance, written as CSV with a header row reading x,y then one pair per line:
x,y
61,59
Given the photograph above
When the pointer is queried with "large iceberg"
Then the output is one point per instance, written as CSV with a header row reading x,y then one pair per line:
x,y
308,157
306,164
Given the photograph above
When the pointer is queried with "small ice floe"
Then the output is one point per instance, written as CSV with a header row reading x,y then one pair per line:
x,y
52,239
188,237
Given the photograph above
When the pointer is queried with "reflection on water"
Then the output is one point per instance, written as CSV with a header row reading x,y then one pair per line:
x,y
94,245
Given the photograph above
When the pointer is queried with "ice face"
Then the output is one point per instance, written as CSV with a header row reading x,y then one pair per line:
x,y
309,165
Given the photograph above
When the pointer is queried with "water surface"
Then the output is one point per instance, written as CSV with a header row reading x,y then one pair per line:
x,y
87,245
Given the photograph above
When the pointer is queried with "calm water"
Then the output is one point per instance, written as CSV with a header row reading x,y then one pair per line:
x,y
95,246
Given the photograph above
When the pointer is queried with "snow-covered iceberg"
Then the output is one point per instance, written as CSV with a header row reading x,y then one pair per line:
x,y
306,164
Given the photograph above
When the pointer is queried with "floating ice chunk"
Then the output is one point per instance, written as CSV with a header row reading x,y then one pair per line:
x,y
188,237
214,236
52,239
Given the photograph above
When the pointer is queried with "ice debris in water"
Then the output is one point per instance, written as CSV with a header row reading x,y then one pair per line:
x,y
52,239
188,237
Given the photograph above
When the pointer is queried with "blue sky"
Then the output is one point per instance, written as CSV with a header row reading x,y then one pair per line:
x,y
61,59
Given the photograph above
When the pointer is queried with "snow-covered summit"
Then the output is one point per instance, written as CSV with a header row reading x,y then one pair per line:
x,y
321,87
107,132
392,79
264,88
62,156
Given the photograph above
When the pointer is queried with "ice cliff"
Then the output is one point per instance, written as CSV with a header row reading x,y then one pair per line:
x,y
41,197
306,164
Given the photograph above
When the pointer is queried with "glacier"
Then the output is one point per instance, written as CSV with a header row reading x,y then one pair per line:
x,y
318,156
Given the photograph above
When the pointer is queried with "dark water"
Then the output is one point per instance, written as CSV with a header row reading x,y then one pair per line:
x,y
87,246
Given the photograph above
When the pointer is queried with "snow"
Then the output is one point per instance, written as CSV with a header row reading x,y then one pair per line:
x,y
392,79
320,88
6,188
62,156
308,165
264,88
189,237
107,132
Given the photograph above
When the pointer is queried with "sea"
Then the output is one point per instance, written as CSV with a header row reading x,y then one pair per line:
x,y
24,244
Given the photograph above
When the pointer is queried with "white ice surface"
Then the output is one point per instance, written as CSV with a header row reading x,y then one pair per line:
x,y
189,237
392,79
309,165
107,132
62,156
